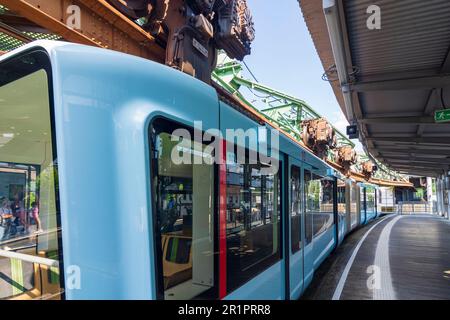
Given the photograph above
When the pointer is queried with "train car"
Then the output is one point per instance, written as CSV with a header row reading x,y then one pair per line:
x,y
356,205
368,202
341,207
107,213
349,206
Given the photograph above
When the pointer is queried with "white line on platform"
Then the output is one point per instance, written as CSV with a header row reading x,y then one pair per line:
x,y
386,290
343,279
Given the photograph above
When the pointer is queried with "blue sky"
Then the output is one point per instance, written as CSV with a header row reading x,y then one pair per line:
x,y
284,57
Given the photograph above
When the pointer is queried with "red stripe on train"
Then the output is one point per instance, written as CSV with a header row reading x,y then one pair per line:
x,y
223,221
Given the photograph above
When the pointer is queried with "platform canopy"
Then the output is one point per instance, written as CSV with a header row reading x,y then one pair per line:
x,y
391,76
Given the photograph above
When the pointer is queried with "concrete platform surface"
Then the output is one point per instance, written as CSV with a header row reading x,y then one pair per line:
x,y
397,257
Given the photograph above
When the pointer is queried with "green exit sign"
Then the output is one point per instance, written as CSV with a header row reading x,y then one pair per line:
x,y
442,116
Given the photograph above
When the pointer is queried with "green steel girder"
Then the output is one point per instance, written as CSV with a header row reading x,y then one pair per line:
x,y
286,111
8,42
229,75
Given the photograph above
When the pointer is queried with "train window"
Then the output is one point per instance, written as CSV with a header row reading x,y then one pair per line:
x,y
184,203
326,214
319,193
253,221
29,214
354,203
309,207
341,197
362,198
296,214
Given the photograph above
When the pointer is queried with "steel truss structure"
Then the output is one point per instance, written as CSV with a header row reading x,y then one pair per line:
x,y
286,111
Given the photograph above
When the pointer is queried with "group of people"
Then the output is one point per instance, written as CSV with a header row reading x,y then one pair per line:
x,y
14,217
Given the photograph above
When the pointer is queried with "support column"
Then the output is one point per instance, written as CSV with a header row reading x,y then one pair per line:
x,y
447,213
431,208
439,197
446,185
442,195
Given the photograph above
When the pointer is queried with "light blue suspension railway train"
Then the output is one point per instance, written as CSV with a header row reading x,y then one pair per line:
x,y
94,208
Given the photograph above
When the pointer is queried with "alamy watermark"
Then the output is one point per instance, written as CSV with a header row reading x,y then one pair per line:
x,y
73,17
73,277
374,20
374,280
257,145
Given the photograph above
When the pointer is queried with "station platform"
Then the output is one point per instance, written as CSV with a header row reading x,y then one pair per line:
x,y
395,257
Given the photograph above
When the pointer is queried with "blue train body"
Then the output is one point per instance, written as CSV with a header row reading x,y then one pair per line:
x,y
115,239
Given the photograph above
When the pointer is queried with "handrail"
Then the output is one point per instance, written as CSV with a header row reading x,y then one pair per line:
x,y
29,258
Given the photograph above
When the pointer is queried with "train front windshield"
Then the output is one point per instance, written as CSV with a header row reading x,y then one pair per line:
x,y
29,213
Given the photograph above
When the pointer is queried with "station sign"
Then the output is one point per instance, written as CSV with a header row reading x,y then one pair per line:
x,y
442,116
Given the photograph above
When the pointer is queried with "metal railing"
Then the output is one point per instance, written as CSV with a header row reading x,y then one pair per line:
x,y
411,208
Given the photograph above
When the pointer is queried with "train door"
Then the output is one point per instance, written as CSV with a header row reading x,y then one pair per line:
x,y
376,203
295,241
348,206
370,203
307,232
359,205
363,204
341,209
353,206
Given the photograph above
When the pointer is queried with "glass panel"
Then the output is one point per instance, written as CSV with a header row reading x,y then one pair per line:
x,y
28,187
326,213
184,196
362,204
319,192
309,207
341,197
353,203
253,222
296,214
370,199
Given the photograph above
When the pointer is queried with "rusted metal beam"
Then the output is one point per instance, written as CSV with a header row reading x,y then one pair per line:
x,y
391,183
14,33
21,23
127,30
101,25
359,177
